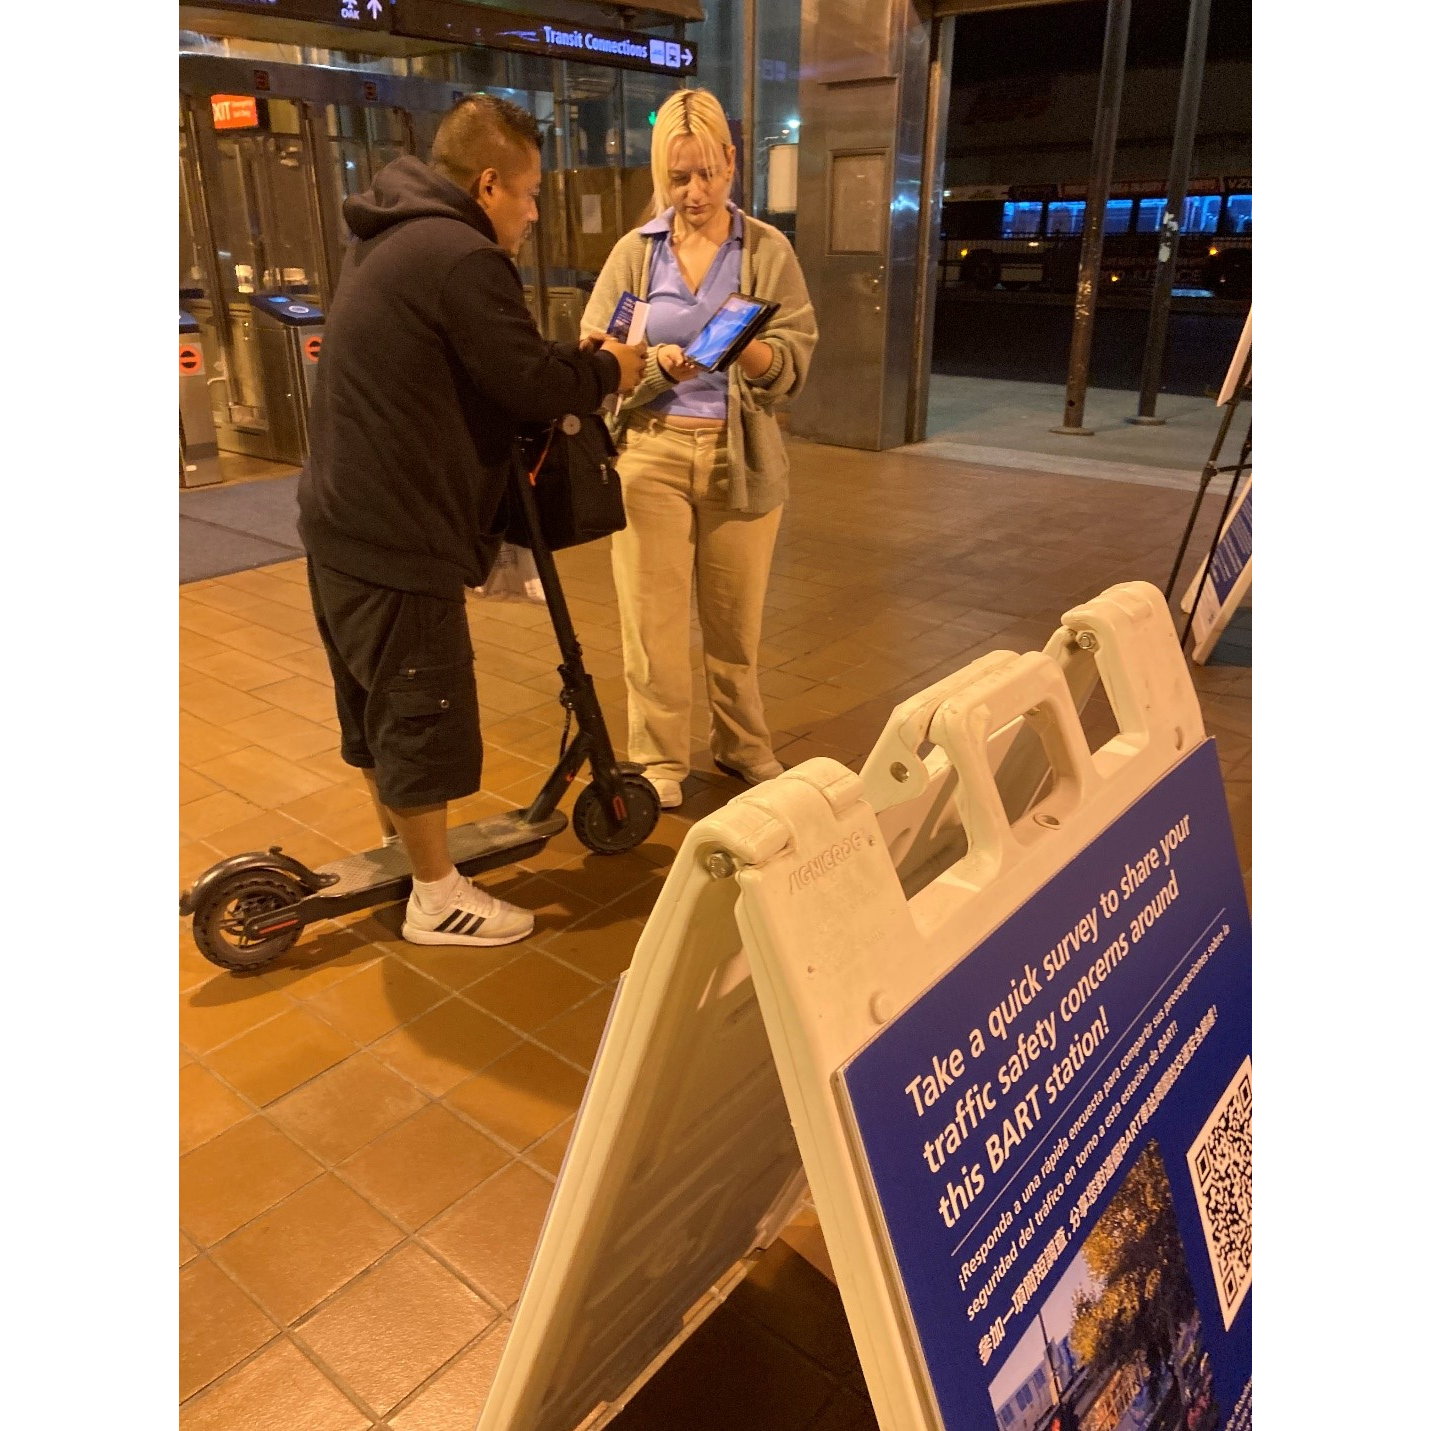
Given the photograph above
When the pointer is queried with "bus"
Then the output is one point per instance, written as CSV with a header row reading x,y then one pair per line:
x,y
1021,236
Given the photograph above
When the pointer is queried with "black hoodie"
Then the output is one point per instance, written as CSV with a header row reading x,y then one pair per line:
x,y
430,364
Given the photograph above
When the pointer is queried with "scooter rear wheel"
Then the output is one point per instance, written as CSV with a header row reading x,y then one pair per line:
x,y
595,829
222,913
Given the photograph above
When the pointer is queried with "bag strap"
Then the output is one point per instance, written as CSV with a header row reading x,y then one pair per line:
x,y
551,436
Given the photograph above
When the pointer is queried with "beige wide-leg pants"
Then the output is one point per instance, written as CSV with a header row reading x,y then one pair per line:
x,y
675,485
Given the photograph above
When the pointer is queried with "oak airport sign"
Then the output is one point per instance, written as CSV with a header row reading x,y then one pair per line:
x,y
350,14
529,34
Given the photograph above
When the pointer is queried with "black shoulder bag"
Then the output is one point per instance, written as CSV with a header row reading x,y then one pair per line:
x,y
571,464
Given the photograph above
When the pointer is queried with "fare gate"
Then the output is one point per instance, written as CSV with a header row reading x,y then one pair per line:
x,y
991,998
198,441
289,335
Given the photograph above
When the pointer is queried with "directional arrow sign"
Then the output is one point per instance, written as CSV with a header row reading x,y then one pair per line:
x,y
686,56
375,9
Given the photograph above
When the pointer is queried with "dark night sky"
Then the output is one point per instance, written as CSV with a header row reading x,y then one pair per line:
x,y
1068,38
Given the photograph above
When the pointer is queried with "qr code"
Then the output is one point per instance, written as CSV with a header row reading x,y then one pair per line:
x,y
1220,1161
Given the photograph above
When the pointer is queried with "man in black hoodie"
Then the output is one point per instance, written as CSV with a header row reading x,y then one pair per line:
x,y
431,363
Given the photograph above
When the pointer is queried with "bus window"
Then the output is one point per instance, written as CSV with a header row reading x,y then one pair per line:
x,y
1022,219
1200,213
1065,216
1118,216
1239,214
1150,215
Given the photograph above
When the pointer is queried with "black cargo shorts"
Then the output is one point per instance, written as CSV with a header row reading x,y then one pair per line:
x,y
405,688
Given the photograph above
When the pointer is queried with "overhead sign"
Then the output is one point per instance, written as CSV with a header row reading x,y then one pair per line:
x,y
351,14
527,34
236,111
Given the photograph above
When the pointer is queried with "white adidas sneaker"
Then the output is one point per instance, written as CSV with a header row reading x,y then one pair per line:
x,y
471,917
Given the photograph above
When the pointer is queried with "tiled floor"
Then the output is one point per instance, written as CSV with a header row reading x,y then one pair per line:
x,y
370,1131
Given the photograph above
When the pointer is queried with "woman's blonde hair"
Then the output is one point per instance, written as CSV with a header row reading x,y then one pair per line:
x,y
694,114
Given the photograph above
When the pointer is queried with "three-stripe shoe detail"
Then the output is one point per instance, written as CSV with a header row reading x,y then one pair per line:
x,y
461,922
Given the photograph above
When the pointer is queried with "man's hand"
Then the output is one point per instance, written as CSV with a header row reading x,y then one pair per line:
x,y
632,361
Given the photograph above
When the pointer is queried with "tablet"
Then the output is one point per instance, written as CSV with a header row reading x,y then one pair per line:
x,y
731,327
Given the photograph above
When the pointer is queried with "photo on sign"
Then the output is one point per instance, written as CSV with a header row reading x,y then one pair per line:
x,y
1117,1345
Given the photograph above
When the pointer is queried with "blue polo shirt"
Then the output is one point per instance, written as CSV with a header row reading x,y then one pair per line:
x,y
677,314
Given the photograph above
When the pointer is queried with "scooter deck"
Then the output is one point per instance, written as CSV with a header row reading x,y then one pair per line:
x,y
471,845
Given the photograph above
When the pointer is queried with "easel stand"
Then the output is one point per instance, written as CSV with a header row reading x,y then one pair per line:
x,y
1209,471
835,956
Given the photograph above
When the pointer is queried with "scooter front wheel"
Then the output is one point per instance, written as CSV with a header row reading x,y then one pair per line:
x,y
595,828
221,914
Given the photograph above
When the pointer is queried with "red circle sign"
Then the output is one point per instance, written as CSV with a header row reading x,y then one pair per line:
x,y
191,359
312,347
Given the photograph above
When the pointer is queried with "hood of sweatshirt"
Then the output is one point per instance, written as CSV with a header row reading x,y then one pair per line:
x,y
408,189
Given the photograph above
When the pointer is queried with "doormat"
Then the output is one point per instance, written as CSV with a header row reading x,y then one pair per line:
x,y
228,529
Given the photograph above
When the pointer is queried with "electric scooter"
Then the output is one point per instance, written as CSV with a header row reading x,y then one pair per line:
x,y
249,909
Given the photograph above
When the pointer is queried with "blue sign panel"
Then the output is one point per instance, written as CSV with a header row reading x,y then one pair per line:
x,y
527,34
1233,552
1059,1136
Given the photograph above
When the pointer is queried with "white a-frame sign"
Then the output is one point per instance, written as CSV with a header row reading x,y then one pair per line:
x,y
974,994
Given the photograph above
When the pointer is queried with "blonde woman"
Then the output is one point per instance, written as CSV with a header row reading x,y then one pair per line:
x,y
703,467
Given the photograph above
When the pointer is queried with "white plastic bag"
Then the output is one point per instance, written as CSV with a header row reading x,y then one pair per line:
x,y
513,577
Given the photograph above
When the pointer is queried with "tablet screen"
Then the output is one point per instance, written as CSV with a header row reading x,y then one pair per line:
x,y
730,322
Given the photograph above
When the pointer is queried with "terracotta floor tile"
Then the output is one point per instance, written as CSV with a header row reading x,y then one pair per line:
x,y
193,786
324,955
206,1107
301,695
215,812
208,620
390,1330
335,769
440,1048
224,1008
277,616
201,740
239,670
491,1234
452,965
333,800
274,1058
577,1034
220,598
267,645
261,776
279,1390
194,647
457,1395
548,1153
343,1110
256,832
376,1000
530,991
602,944
195,856
307,661
592,881
522,1096
215,702
286,734
187,1251
423,1166
353,829
233,1178
306,1248
218,1326
553,904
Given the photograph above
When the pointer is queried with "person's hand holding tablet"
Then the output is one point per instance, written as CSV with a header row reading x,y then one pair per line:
x,y
721,342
